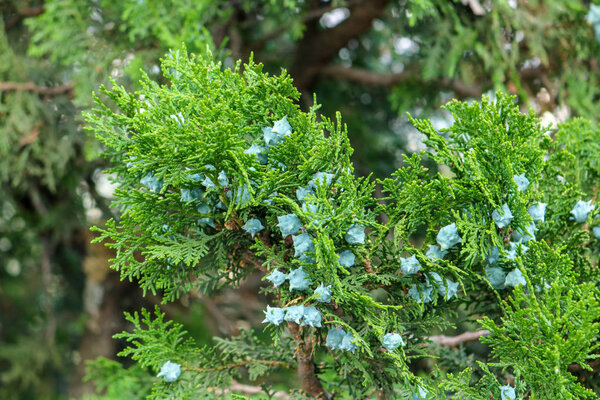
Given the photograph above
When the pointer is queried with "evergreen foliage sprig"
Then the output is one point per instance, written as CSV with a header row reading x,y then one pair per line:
x,y
222,175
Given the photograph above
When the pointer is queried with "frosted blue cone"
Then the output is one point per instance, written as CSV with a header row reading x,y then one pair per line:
x,y
208,183
294,313
493,256
289,224
392,341
593,15
507,392
320,178
205,221
593,18
311,317
223,179
242,195
258,151
346,258
191,194
324,293
516,248
421,293
450,290
537,212
303,192
169,371
274,315
526,235
299,279
282,127
496,276
276,277
448,236
581,211
271,138
515,278
253,226
347,343
269,200
502,217
410,265
310,208
334,338
421,393
152,183
355,235
303,245
433,278
521,181
196,177
434,252
179,118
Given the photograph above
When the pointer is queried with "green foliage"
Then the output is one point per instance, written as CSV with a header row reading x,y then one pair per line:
x,y
27,368
40,134
116,381
487,387
542,337
543,51
163,339
155,341
26,124
194,134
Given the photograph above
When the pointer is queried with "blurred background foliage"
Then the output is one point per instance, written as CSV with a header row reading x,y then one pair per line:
x,y
374,60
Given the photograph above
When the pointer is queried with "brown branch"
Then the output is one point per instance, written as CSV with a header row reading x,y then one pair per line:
x,y
222,322
32,87
238,387
308,17
532,72
475,6
250,258
319,46
364,76
370,78
48,304
462,89
239,364
455,341
22,14
306,365
576,368
31,136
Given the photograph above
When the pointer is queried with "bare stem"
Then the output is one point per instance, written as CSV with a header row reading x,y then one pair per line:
x,y
32,87
455,341
274,363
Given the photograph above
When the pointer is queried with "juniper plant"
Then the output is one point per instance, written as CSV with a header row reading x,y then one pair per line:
x,y
222,175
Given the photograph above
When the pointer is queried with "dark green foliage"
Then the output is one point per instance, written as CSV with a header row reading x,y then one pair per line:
x,y
118,382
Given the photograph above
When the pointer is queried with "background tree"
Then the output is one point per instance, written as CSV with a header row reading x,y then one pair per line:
x,y
373,60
